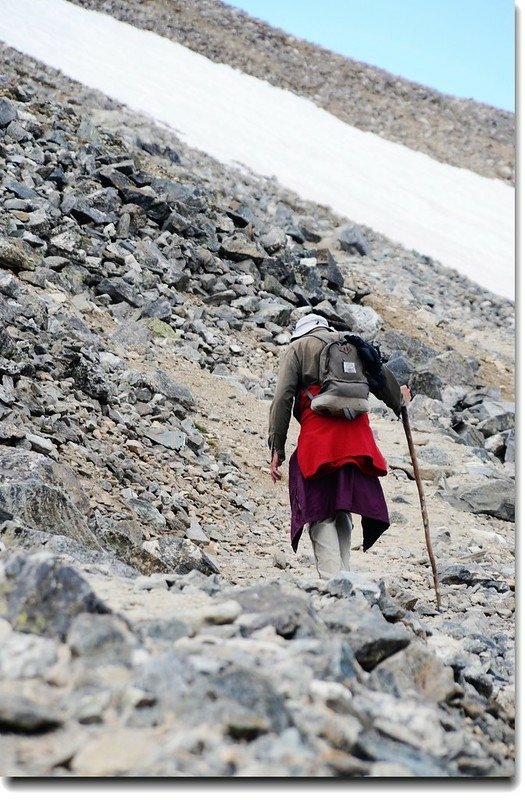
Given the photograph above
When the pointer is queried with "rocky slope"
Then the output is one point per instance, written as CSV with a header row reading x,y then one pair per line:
x,y
153,618
456,131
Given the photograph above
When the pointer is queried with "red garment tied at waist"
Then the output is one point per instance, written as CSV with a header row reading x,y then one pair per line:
x,y
327,443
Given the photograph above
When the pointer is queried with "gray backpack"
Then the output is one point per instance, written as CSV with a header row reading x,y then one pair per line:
x,y
344,386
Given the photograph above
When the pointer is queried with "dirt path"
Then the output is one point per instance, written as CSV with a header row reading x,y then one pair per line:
x,y
236,421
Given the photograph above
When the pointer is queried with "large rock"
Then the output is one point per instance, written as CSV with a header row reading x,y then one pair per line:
x,y
327,268
452,368
21,715
172,439
416,672
167,553
416,351
401,367
24,655
16,256
352,240
457,574
273,311
468,434
288,611
233,693
426,413
90,378
371,638
8,112
179,555
100,637
495,497
120,291
79,207
161,383
362,320
238,247
44,494
387,746
494,416
427,383
40,595
273,240
510,452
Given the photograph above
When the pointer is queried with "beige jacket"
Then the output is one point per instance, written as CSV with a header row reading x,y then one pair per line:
x,y
298,369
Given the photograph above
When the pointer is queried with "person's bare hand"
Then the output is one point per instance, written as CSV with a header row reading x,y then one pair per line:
x,y
275,472
405,393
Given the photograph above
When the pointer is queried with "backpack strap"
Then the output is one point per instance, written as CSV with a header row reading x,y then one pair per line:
x,y
324,335
327,337
370,355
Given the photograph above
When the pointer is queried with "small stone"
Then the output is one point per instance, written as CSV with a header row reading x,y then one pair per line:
x,y
135,446
172,439
8,112
352,240
196,534
117,752
22,715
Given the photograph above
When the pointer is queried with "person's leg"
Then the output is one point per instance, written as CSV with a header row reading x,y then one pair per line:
x,y
325,543
331,544
343,523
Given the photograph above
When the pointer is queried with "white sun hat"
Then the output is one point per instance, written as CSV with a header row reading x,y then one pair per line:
x,y
308,324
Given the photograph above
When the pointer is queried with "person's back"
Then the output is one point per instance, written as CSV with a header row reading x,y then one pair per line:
x,y
299,369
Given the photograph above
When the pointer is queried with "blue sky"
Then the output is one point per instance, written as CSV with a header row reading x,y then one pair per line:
x,y
460,47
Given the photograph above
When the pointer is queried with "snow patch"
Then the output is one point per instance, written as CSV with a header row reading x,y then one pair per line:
x,y
460,218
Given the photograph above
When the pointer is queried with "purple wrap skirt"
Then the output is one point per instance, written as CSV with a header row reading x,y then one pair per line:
x,y
344,489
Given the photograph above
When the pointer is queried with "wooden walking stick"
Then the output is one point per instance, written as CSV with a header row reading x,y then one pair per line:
x,y
419,484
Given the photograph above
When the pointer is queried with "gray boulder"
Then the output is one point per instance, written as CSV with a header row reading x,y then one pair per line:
x,y
427,383
100,637
24,655
90,378
179,555
496,444
159,382
172,439
273,240
510,452
120,291
370,637
16,256
477,396
418,353
494,416
425,412
468,434
40,595
362,320
286,610
495,497
8,112
417,672
452,368
272,311
21,715
81,209
352,240
44,494
401,367
327,268
497,424
238,247
238,687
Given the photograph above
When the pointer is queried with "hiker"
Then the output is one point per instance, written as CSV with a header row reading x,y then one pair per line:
x,y
336,467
